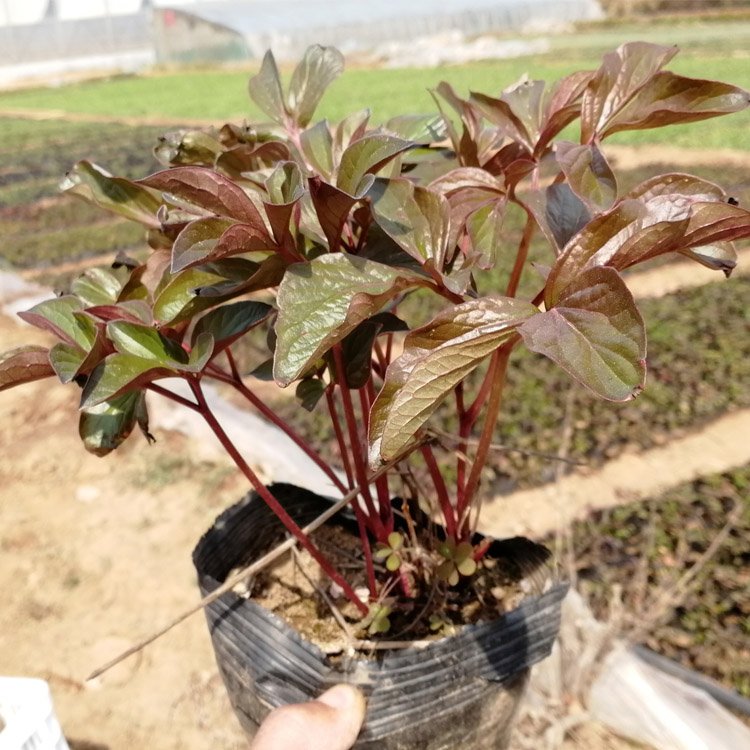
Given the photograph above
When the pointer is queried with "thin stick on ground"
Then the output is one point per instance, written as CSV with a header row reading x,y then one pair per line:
x,y
670,597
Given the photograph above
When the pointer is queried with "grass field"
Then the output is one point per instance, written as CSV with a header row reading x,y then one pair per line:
x,y
713,50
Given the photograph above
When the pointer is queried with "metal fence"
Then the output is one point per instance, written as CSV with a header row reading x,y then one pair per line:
x,y
53,38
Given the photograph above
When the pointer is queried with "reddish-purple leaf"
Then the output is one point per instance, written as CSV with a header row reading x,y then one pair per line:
x,y
332,208
595,333
251,157
436,358
208,190
563,108
668,99
619,78
24,365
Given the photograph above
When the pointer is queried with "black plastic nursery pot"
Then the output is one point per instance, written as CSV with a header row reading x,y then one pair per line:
x,y
460,691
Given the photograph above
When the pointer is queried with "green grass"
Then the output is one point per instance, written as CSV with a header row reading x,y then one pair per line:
x,y
716,51
70,243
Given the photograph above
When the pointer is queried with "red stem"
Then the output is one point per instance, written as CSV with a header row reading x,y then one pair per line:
x,y
360,467
271,501
281,424
172,396
442,491
339,435
461,447
521,255
496,375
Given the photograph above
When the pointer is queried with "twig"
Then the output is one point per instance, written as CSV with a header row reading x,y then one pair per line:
x,y
247,571
672,596
504,448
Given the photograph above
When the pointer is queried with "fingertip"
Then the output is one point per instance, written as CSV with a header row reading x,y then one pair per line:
x,y
343,697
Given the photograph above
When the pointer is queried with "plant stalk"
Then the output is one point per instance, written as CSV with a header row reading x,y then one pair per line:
x,y
496,375
270,500
284,426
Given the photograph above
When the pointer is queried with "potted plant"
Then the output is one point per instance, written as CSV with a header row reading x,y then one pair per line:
x,y
379,270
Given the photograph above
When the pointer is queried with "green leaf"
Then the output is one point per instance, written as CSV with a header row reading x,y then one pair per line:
x,y
395,541
284,185
595,333
317,70
320,302
588,174
200,354
183,147
484,227
227,323
115,194
197,242
351,128
317,147
24,365
66,360
366,156
393,562
118,374
57,316
146,342
104,427
419,129
178,300
416,218
209,190
265,89
436,358
96,287
466,567
309,392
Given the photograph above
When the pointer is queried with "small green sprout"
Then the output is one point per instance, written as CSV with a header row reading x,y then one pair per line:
x,y
459,561
391,552
380,623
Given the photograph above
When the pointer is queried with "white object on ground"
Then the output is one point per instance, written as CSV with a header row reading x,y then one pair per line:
x,y
264,446
647,705
29,716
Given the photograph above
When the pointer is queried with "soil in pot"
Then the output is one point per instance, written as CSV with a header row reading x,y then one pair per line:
x,y
456,691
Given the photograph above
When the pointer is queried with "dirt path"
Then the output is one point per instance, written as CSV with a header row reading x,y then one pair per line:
x,y
94,557
719,446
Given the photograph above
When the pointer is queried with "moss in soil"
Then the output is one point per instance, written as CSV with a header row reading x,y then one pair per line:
x,y
645,547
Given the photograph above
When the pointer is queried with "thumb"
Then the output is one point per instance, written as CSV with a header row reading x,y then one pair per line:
x,y
332,722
